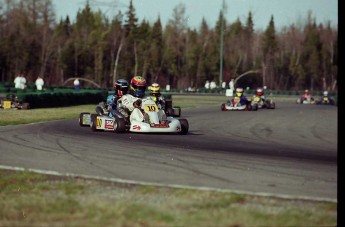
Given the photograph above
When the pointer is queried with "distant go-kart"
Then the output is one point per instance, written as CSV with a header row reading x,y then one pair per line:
x,y
325,100
267,103
11,101
118,123
235,105
304,100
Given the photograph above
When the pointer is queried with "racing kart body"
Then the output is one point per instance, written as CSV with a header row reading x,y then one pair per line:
x,y
118,123
264,103
235,105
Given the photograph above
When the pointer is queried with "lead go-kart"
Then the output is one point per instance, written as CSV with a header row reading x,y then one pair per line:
x,y
235,105
120,124
264,103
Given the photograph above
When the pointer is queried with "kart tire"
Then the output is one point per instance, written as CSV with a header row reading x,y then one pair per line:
x,y
169,112
25,106
178,109
80,119
120,125
273,105
222,107
184,126
255,108
94,122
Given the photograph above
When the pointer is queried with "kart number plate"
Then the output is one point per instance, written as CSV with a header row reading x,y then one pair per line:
x,y
7,104
151,108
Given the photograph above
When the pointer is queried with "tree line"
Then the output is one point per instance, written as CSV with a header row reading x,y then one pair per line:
x,y
102,49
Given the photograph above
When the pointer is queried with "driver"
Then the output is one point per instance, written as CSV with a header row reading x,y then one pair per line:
x,y
120,88
306,95
129,105
239,94
260,92
155,95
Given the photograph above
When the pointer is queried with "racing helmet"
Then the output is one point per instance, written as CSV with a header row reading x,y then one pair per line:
x,y
121,87
137,86
259,91
306,91
325,93
239,91
155,90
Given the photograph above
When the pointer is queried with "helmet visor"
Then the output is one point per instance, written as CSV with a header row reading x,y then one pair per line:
x,y
139,87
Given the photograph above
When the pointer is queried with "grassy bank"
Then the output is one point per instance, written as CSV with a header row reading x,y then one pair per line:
x,y
31,199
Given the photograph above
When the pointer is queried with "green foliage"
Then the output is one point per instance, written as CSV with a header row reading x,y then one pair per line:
x,y
94,47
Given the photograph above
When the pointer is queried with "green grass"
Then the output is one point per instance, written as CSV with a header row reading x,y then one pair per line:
x,y
31,199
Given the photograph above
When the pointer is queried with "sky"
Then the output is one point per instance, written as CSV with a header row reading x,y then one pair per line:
x,y
285,12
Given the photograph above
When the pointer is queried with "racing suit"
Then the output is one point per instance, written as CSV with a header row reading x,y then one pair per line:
x,y
129,106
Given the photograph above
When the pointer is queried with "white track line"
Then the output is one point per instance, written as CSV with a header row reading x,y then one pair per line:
x,y
118,180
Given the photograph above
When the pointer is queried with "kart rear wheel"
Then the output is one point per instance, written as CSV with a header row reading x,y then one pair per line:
x,y
81,116
184,126
177,111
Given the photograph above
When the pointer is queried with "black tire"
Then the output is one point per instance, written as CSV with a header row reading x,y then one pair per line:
x,y
184,126
80,119
179,111
222,107
255,107
120,125
169,112
25,106
94,122
273,105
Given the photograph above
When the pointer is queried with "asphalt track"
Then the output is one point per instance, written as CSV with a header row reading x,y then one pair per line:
x,y
288,151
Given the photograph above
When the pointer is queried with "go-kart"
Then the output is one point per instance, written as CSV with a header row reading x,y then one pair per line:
x,y
304,100
11,101
118,123
235,105
325,100
264,103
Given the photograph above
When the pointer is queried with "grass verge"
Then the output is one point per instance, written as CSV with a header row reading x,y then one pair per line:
x,y
31,199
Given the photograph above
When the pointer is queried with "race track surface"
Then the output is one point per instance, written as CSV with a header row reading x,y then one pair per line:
x,y
289,151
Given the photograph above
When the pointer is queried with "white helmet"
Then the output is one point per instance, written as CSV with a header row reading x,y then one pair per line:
x,y
325,93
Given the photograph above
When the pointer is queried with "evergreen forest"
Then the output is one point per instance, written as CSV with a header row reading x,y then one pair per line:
x,y
101,49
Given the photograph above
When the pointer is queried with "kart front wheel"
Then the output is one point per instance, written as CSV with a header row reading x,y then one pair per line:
x,y
120,126
93,123
222,107
184,126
